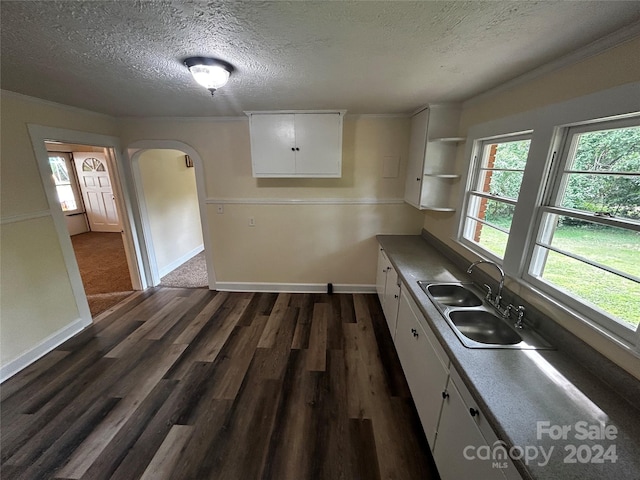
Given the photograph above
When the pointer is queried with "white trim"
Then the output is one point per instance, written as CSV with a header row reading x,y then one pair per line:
x,y
23,217
184,119
293,287
179,261
244,117
594,48
41,349
573,316
288,112
49,103
377,115
146,237
133,152
305,201
39,134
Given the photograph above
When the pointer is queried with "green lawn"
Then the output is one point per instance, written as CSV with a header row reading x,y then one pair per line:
x,y
616,249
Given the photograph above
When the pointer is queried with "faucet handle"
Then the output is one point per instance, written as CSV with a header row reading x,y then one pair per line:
x,y
488,296
521,311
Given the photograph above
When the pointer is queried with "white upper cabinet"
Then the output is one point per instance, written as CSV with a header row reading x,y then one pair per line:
x,y
291,144
432,154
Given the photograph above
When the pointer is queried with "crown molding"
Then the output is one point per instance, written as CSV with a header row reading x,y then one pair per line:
x,y
305,201
183,119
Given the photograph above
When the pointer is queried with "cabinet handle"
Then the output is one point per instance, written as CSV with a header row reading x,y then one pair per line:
x,y
474,412
293,149
395,296
445,395
418,179
297,149
414,332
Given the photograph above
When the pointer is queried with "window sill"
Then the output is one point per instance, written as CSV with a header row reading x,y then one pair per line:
x,y
572,320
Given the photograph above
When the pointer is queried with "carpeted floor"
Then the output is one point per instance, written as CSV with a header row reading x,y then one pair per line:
x,y
103,268
191,274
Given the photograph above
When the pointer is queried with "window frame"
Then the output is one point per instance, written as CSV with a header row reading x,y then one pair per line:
x,y
73,182
474,173
548,123
549,205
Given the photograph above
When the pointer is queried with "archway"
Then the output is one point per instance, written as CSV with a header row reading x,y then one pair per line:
x,y
134,151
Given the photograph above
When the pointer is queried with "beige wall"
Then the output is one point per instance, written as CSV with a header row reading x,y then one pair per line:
x,y
329,236
172,205
617,66
36,297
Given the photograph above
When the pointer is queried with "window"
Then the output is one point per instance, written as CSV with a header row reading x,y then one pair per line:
x,y
494,189
66,186
587,249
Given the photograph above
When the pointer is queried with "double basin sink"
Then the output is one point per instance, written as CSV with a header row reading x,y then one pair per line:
x,y
473,320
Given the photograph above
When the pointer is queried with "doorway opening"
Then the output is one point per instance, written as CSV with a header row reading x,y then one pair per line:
x,y
84,182
169,202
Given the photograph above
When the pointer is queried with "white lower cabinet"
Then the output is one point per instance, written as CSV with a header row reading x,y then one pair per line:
x,y
388,289
425,365
454,425
460,434
391,300
381,276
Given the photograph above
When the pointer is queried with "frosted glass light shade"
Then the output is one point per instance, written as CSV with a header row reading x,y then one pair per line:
x,y
210,76
209,72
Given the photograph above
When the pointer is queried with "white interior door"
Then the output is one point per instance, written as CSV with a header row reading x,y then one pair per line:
x,y
95,184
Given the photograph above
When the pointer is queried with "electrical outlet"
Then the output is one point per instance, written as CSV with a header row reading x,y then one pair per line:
x,y
220,208
252,222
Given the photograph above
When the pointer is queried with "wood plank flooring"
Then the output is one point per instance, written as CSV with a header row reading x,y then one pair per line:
x,y
192,384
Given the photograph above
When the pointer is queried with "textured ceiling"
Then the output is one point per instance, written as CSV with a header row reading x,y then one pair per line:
x,y
124,58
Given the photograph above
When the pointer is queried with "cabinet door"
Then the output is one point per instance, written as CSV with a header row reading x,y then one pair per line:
x,y
272,141
415,168
458,431
381,275
391,299
318,144
426,375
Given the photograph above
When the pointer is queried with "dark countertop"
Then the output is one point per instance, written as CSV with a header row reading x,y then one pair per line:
x,y
518,388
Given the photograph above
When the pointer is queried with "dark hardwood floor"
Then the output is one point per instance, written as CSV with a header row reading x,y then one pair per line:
x,y
192,384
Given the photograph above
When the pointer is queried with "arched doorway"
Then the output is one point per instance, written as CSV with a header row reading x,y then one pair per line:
x,y
150,219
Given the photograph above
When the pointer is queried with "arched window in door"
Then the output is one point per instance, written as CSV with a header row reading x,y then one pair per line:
x,y
92,165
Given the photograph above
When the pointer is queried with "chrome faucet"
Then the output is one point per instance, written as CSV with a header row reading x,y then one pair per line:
x,y
498,298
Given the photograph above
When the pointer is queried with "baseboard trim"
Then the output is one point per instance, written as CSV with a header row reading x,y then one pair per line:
x,y
184,258
42,348
292,287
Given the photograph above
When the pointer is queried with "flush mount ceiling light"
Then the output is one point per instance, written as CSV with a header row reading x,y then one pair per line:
x,y
211,73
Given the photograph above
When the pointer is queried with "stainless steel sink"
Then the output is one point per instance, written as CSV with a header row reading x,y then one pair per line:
x,y
474,320
453,294
484,327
